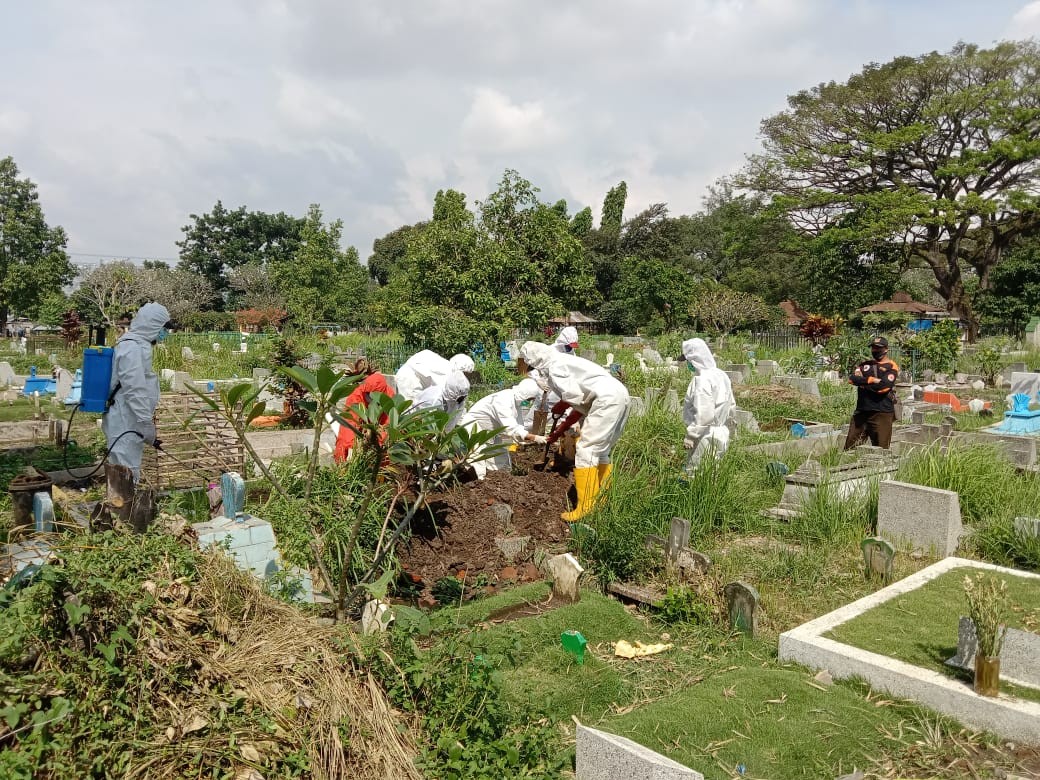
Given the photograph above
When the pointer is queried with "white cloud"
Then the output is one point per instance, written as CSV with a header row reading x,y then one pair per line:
x,y
131,116
306,106
1026,22
494,122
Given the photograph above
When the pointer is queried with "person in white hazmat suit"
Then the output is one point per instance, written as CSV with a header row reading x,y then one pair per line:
x,y
567,340
450,396
129,423
425,369
503,409
593,394
709,402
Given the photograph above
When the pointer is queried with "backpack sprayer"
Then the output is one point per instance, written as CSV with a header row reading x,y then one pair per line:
x,y
96,398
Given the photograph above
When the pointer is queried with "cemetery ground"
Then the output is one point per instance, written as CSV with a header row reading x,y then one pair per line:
x,y
139,656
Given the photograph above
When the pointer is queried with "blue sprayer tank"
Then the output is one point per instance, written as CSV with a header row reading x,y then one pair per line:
x,y
97,378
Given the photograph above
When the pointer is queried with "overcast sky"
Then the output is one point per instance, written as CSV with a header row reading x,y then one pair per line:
x,y
132,115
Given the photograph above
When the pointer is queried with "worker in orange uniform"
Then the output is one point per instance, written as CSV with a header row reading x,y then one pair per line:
x,y
374,382
875,380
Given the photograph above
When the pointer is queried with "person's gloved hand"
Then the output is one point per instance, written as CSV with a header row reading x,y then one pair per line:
x,y
157,444
147,432
540,440
560,407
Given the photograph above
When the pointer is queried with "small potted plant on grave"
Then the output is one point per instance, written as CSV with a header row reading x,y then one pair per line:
x,y
988,610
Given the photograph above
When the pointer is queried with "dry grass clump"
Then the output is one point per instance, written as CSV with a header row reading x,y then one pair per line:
x,y
244,652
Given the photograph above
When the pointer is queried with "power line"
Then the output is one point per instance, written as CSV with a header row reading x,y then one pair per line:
x,y
120,256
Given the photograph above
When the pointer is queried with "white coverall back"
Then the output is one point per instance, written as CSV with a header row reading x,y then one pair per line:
x,y
709,402
500,410
133,405
590,389
422,370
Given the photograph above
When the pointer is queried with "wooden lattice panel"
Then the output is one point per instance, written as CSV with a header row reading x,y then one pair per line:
x,y
197,445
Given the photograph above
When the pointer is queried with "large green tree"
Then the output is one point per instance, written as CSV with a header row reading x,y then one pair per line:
x,y
940,152
322,282
738,241
220,241
33,262
1013,296
513,262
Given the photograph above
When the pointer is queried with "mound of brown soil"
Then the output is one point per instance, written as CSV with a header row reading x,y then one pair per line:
x,y
459,539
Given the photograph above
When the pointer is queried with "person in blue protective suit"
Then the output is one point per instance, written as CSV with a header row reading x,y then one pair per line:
x,y
129,423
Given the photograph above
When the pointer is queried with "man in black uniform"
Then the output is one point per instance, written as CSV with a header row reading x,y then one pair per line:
x,y
875,410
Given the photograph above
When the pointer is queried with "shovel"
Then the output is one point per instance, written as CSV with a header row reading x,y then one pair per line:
x,y
545,460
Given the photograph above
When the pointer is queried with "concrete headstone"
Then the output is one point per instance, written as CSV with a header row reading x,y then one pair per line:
x,y
636,406
233,493
565,571
43,512
7,375
180,381
1026,383
741,368
187,353
375,617
652,356
502,513
745,420
512,547
735,377
1019,657
63,384
1027,527
742,607
767,367
604,756
926,519
671,401
803,384
878,558
650,395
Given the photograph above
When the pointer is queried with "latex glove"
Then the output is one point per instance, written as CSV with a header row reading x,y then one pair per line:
x,y
148,432
560,407
157,444
539,440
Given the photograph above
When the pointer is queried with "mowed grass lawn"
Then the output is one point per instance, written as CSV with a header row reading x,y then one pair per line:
x,y
714,701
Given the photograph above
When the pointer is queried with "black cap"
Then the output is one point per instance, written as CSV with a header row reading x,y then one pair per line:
x,y
879,341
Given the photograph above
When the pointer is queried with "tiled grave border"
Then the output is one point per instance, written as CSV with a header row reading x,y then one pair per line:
x,y
1009,718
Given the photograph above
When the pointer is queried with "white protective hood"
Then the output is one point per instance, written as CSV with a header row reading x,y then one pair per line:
x,y
461,362
526,390
537,355
149,320
697,353
566,337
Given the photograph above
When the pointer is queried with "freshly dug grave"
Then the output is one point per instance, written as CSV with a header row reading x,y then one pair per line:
x,y
457,539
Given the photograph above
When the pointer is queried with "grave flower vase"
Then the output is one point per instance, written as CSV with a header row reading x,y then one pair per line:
x,y
987,675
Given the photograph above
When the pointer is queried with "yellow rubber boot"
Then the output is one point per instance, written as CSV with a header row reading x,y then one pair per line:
x,y
603,472
586,482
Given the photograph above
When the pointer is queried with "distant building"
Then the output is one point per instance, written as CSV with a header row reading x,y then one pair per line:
x,y
583,322
794,315
921,315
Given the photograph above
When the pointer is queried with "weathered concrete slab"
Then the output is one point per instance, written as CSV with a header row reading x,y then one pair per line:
x,y
926,519
604,756
1012,719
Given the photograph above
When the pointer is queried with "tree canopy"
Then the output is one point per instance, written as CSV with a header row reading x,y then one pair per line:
x,y
33,262
938,153
513,261
217,243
